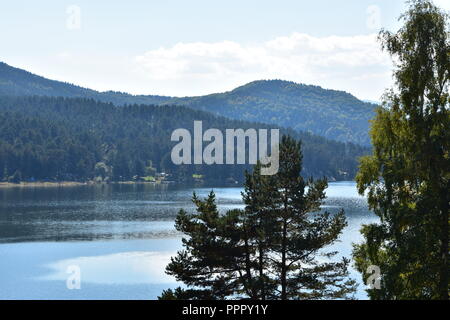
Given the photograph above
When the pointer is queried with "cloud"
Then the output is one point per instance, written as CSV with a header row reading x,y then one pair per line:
x,y
333,61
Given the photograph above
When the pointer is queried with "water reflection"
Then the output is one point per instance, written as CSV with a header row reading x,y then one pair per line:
x,y
44,230
98,212
119,268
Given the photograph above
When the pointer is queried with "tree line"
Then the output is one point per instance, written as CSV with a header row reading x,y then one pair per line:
x,y
77,139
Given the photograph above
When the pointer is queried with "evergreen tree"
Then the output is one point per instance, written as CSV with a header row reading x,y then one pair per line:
x,y
407,177
293,232
16,177
211,263
270,249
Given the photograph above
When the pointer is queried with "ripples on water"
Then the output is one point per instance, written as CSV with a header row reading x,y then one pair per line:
x,y
98,212
139,218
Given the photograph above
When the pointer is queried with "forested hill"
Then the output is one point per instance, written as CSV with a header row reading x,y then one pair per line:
x,y
81,139
332,114
329,113
18,82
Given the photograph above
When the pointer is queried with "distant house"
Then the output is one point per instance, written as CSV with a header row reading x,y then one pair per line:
x,y
162,175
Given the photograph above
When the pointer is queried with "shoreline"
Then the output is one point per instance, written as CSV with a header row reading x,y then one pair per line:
x,y
43,184
64,184
4,185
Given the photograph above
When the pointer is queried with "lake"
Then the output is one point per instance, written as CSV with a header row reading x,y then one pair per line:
x,y
121,236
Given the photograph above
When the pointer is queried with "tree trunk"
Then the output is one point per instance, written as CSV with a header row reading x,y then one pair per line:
x,y
283,262
261,273
444,273
248,270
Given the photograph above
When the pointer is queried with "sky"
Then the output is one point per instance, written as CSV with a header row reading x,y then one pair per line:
x,y
196,47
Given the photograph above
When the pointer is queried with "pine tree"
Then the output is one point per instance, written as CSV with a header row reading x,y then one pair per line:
x,y
259,222
268,250
407,177
295,231
213,255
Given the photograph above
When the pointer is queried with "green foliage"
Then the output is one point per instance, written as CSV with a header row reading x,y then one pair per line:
x,y
407,178
16,177
331,114
102,171
269,250
212,254
80,139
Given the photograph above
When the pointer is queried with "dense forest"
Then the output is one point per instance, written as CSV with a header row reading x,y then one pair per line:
x,y
76,139
332,114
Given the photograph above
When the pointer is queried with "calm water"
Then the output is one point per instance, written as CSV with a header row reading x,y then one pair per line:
x,y
121,237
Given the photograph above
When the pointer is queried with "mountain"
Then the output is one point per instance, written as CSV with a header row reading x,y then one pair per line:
x,y
329,113
332,114
56,138
18,82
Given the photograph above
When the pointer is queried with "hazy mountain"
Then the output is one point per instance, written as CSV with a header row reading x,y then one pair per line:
x,y
329,113
18,82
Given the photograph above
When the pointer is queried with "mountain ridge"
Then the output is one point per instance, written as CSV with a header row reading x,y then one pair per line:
x,y
333,114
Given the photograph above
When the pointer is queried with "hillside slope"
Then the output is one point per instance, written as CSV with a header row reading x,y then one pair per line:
x,y
80,139
18,82
332,114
